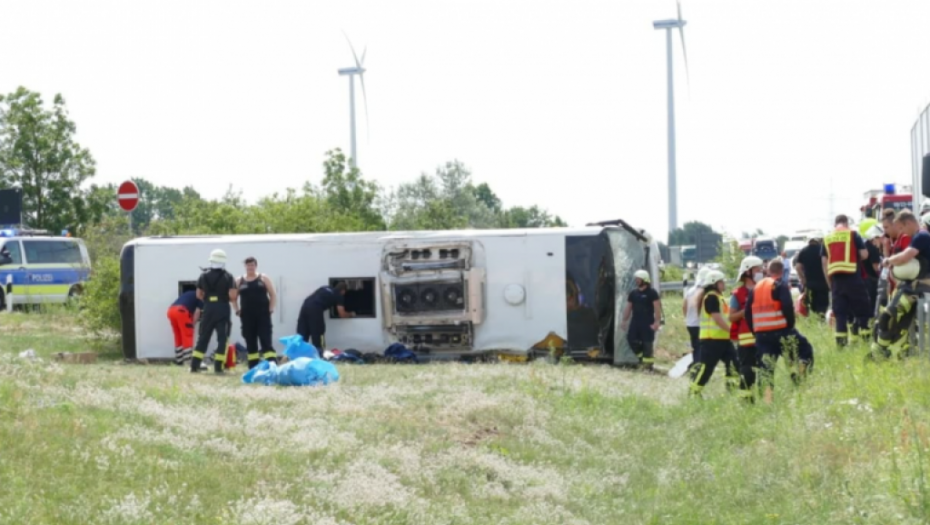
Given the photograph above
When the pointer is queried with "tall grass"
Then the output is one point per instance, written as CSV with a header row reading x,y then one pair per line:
x,y
456,444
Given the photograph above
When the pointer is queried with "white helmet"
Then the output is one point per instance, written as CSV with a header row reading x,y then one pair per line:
x,y
749,262
713,277
702,275
642,274
907,271
218,256
925,220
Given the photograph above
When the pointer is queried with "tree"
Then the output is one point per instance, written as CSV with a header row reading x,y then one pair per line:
x,y
484,195
532,217
447,200
345,190
38,153
688,234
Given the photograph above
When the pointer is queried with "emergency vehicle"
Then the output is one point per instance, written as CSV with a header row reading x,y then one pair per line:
x,y
447,294
877,201
43,268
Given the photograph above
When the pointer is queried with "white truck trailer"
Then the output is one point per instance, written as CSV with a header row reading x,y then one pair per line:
x,y
443,293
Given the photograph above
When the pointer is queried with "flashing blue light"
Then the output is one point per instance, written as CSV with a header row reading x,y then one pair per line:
x,y
889,189
64,233
8,232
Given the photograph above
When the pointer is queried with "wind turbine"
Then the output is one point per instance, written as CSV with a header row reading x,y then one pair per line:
x,y
351,72
668,26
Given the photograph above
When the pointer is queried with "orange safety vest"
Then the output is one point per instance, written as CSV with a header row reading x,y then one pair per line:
x,y
740,331
842,256
766,311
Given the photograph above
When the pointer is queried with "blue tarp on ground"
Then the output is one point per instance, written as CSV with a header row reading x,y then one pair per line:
x,y
304,367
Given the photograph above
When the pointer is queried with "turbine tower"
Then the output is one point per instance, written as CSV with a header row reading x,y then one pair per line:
x,y
351,72
668,26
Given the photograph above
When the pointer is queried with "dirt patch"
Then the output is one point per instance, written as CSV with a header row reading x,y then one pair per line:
x,y
480,435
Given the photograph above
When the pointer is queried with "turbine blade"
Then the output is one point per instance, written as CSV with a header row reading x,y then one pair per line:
x,y
679,9
361,77
362,61
354,55
684,50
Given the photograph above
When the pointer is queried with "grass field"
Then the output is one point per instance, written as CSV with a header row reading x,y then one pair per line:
x,y
112,443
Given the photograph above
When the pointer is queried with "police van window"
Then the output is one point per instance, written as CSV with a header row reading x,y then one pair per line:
x,y
52,252
16,255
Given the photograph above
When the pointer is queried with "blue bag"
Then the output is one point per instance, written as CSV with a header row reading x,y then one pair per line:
x,y
295,346
302,371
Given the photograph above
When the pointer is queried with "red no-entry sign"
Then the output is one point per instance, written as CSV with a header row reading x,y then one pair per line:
x,y
128,195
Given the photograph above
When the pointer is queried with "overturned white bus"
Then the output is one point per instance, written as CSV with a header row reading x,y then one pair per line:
x,y
441,293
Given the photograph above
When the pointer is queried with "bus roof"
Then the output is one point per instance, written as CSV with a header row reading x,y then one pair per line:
x,y
367,237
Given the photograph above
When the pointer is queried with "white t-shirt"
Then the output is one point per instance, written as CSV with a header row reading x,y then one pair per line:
x,y
692,318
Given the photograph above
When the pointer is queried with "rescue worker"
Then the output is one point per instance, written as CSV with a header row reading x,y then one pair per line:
x,y
310,322
645,308
183,314
842,250
691,313
896,242
770,314
217,289
809,265
256,304
871,266
715,336
912,279
750,272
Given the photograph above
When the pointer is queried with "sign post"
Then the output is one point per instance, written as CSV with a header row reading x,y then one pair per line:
x,y
128,198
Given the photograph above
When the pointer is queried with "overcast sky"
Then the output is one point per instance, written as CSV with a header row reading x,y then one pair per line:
x,y
561,104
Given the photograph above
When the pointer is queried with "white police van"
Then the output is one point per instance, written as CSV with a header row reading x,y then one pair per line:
x,y
44,269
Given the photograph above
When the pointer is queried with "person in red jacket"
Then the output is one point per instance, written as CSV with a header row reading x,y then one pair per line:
x,y
750,271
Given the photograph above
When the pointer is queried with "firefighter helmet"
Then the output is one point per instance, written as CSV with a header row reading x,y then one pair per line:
x,y
714,277
749,262
907,271
642,274
218,256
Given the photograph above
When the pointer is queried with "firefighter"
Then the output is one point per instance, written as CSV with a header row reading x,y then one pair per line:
x,y
911,269
183,314
842,250
256,304
715,336
750,272
809,265
871,266
770,315
311,325
217,289
645,308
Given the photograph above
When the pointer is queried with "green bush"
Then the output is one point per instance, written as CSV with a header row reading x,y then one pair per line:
x,y
100,300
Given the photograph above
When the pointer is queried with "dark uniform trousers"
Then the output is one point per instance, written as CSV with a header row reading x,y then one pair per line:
x,y
256,330
714,351
788,342
748,363
312,326
851,303
215,319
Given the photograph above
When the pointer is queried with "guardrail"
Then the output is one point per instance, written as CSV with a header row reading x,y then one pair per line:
x,y
675,286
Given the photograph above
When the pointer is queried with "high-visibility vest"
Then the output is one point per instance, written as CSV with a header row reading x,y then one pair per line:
x,y
739,331
709,328
766,311
842,256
